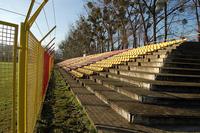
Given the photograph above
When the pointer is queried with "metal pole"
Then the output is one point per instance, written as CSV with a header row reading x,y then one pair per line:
x,y
14,124
22,80
48,34
49,43
50,47
52,52
29,11
37,12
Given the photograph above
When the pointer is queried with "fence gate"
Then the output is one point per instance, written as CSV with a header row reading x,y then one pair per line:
x,y
8,76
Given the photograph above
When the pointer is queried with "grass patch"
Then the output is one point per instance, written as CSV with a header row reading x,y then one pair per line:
x,y
6,90
61,111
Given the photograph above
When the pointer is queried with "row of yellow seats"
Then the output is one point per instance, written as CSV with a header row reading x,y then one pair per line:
x,y
86,58
78,60
122,57
81,71
126,56
94,68
75,73
85,71
149,48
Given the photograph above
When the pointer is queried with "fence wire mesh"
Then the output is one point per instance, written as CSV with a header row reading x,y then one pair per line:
x,y
8,61
34,80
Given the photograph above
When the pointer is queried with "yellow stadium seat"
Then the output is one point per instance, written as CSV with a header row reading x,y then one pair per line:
x,y
76,74
85,71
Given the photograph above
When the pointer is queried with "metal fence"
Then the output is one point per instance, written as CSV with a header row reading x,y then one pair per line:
x,y
24,77
8,77
34,80
35,65
28,74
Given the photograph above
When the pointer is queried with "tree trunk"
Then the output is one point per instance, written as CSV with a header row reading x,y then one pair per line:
x,y
144,26
133,28
134,40
118,40
111,40
154,27
197,18
154,22
108,46
124,38
165,22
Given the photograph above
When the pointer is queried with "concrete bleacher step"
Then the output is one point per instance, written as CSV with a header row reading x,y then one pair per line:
x,y
182,65
169,58
146,96
145,64
166,86
174,70
166,64
110,120
148,60
104,118
190,51
157,76
146,114
186,60
154,57
188,56
186,51
160,89
162,52
189,47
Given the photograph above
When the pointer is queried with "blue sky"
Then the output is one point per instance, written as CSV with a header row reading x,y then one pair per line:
x,y
67,12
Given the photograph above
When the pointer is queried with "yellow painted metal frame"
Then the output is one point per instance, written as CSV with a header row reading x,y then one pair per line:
x,y
15,88
22,80
23,66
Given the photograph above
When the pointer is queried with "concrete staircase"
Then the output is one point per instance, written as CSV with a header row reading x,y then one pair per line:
x,y
157,92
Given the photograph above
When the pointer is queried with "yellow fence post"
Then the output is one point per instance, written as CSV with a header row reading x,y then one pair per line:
x,y
24,125
22,79
14,124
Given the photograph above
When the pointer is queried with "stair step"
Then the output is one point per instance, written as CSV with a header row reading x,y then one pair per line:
x,y
189,60
182,65
110,121
174,70
169,58
158,64
157,90
162,52
136,112
149,60
152,56
164,86
123,67
157,76
188,56
166,64
146,96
